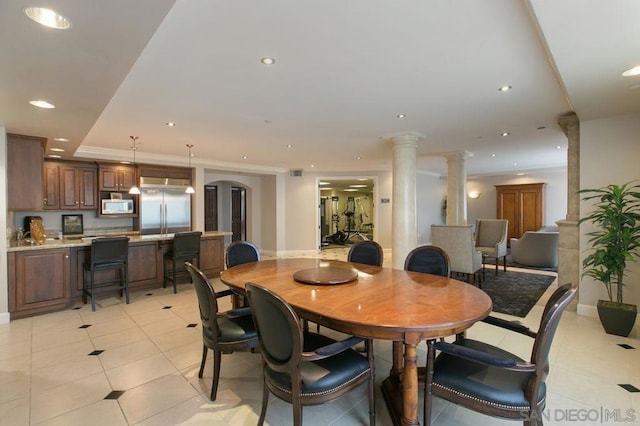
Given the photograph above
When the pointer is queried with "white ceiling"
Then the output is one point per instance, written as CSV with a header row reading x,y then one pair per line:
x,y
343,71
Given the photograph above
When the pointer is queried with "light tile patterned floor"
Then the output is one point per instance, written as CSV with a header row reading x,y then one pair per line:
x,y
54,372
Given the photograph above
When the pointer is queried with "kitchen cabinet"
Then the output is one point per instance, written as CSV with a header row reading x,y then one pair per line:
x,y
212,255
24,172
164,172
116,178
523,206
78,185
51,186
38,281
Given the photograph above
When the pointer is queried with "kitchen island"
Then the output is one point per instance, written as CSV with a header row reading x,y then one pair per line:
x,y
48,277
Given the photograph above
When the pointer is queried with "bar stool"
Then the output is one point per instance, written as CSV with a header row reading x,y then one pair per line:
x,y
106,254
186,246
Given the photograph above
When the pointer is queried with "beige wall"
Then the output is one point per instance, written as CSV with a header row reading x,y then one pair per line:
x,y
430,192
4,296
609,154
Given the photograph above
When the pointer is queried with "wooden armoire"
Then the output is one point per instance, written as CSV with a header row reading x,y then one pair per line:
x,y
522,205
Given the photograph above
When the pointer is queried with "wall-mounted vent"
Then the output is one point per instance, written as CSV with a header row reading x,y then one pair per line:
x,y
295,172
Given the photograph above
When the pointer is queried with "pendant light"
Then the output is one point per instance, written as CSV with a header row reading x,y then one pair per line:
x,y
189,189
134,189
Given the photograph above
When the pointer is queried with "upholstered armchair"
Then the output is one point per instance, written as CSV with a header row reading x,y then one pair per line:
x,y
538,249
457,242
491,239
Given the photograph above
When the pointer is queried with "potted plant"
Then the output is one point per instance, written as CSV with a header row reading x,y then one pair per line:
x,y
616,241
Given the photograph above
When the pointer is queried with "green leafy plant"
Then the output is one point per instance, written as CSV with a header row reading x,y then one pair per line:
x,y
616,241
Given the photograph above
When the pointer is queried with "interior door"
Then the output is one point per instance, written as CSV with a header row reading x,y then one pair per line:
x,y
238,222
211,208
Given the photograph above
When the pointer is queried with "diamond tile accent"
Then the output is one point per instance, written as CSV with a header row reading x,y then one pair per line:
x,y
192,325
625,346
75,308
167,307
85,326
96,352
629,388
149,294
114,394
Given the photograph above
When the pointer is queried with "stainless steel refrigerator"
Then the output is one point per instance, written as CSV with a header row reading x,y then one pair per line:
x,y
165,208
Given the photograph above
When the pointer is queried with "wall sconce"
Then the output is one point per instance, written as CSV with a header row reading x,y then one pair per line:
x,y
474,194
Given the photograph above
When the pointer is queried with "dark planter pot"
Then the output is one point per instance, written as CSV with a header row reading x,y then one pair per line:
x,y
617,318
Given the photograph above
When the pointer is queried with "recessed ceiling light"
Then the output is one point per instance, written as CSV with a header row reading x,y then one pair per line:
x,y
289,146
244,157
324,183
125,162
48,18
61,139
558,147
358,158
350,190
493,155
54,156
362,179
519,174
358,186
401,116
171,124
268,61
505,88
632,71
505,134
56,149
515,164
42,104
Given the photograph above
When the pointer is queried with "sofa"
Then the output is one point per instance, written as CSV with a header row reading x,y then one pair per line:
x,y
536,248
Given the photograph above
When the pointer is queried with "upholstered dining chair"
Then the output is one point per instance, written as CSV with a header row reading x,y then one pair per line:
x,y
367,252
239,252
222,332
304,368
487,379
428,259
457,242
186,246
491,239
106,254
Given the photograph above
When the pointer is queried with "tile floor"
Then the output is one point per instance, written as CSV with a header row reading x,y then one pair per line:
x,y
137,364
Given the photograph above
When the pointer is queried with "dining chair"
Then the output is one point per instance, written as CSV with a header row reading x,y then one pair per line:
x,y
304,368
186,246
491,239
367,252
106,254
457,242
222,332
239,252
488,379
428,259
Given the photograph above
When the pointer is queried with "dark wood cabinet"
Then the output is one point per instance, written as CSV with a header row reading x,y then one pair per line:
x,y
24,172
212,255
164,172
51,186
78,187
116,178
38,281
522,205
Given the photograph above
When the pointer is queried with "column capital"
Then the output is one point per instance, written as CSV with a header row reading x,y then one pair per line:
x,y
457,155
569,121
409,136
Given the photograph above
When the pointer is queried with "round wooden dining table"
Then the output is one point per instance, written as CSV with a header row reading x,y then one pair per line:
x,y
378,303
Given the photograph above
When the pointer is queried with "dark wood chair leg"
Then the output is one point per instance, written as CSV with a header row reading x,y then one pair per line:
x,y
428,382
217,358
205,350
265,401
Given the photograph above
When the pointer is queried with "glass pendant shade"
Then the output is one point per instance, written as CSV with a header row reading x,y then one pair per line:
x,y
134,189
190,189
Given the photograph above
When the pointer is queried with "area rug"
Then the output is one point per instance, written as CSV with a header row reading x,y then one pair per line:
x,y
515,293
491,264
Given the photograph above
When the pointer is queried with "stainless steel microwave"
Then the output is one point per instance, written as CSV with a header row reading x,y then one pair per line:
x,y
117,206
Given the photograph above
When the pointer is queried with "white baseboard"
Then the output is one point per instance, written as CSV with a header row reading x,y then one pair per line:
x,y
5,317
587,310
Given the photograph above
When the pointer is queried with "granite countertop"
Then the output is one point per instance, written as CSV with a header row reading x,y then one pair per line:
x,y
85,240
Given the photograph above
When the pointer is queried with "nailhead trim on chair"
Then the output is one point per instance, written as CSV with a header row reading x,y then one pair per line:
x,y
503,406
288,391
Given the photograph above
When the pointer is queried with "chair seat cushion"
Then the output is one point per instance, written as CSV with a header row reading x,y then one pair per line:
x,y
326,374
497,386
234,329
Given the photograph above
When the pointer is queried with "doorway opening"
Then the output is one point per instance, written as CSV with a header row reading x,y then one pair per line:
x,y
225,208
346,211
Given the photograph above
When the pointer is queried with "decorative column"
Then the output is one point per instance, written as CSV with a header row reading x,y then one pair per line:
x,y
404,223
569,246
456,187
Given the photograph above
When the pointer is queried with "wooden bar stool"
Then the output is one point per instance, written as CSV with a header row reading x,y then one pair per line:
x,y
186,246
106,254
